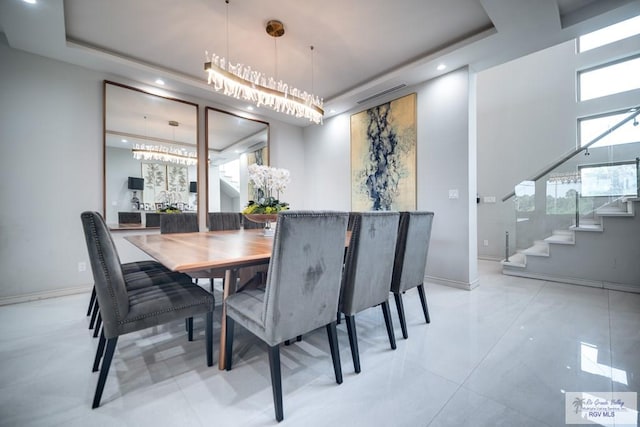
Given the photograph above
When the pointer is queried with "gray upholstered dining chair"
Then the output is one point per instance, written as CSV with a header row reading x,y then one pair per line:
x,y
412,248
248,225
367,271
182,223
220,221
301,293
137,274
179,223
223,221
125,310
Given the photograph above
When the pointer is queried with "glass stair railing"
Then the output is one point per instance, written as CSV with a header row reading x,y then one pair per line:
x,y
599,179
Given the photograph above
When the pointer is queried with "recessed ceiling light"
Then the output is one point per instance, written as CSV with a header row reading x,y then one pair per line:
x,y
441,67
124,141
30,1
250,108
160,82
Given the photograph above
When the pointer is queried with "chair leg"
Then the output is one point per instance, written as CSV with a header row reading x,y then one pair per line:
x,y
190,328
94,315
97,326
92,301
403,322
289,342
332,334
208,330
228,343
388,323
106,364
353,341
99,352
276,381
423,300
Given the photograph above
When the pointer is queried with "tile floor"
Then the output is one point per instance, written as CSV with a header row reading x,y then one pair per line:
x,y
501,355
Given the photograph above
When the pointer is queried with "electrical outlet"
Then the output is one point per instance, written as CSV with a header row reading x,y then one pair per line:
x,y
453,194
485,242
82,266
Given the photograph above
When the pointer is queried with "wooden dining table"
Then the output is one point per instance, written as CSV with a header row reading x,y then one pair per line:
x,y
203,254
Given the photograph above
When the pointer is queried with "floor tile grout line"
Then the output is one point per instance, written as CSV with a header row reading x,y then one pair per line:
x,y
610,341
461,385
526,306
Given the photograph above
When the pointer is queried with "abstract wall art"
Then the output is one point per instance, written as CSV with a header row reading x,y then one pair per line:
x,y
383,156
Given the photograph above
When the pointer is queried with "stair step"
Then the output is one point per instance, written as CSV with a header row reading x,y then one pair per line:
x,y
587,227
613,212
564,238
539,248
516,260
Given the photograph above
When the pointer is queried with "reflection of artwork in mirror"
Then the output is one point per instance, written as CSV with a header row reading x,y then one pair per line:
x,y
154,176
233,143
151,138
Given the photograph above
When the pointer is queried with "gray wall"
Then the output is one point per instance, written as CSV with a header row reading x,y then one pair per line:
x,y
51,127
446,160
526,113
51,170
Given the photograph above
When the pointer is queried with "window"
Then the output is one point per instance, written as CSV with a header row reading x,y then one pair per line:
x,y
610,34
609,79
617,179
590,128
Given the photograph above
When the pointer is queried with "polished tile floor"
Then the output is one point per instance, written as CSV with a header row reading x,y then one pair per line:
x,y
501,355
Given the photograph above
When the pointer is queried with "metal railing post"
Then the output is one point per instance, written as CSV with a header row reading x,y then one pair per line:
x,y
577,209
506,251
638,176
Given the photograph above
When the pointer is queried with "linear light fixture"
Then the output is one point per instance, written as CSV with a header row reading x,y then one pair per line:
x,y
241,82
164,154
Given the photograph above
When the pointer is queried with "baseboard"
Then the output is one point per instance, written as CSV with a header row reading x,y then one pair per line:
x,y
453,283
490,258
624,287
574,281
44,295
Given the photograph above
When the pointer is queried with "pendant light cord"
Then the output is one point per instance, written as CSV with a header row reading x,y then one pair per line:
x,y
227,28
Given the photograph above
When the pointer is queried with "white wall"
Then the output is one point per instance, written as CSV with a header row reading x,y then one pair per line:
x,y
444,158
51,170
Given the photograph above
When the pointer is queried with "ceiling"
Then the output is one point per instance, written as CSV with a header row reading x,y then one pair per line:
x,y
362,48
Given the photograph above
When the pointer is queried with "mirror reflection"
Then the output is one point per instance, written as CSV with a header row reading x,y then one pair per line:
x,y
233,143
150,156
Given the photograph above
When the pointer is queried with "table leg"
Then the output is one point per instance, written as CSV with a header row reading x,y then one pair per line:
x,y
230,279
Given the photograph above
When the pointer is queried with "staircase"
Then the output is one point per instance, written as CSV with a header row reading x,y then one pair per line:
x,y
603,251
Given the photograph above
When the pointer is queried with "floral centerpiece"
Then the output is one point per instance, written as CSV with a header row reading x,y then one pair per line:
x,y
268,183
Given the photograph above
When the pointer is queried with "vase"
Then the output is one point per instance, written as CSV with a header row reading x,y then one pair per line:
x,y
266,219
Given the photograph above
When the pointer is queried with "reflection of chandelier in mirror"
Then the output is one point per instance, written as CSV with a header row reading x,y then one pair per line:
x,y
164,154
241,82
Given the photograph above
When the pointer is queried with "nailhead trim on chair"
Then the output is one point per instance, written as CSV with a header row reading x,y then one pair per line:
x,y
104,267
124,322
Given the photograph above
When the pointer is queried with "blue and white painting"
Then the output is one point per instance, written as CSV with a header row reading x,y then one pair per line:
x,y
383,157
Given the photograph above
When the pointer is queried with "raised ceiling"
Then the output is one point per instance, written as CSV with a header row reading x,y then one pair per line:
x,y
362,47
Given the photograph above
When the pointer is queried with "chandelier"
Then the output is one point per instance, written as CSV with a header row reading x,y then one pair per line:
x,y
241,82
164,154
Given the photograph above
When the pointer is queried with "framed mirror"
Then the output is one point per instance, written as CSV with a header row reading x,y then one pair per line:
x,y
150,156
233,143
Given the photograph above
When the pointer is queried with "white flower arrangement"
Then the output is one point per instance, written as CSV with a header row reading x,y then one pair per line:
x,y
268,183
